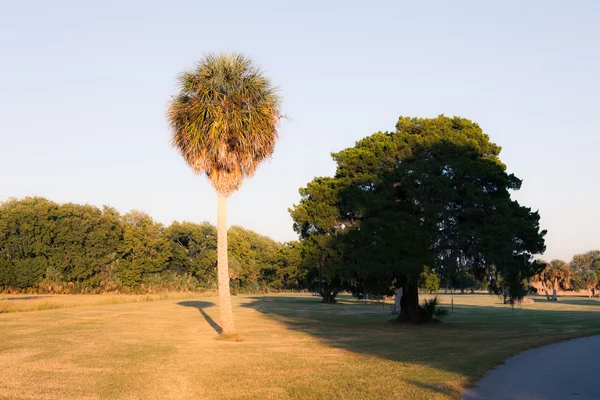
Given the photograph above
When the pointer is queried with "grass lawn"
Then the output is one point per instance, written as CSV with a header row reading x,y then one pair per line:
x,y
35,302
294,347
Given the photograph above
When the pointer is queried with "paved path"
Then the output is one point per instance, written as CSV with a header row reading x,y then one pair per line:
x,y
560,371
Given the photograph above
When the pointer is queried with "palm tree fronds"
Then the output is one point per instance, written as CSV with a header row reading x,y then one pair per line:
x,y
224,120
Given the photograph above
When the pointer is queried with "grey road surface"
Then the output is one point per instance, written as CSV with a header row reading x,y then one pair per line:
x,y
560,371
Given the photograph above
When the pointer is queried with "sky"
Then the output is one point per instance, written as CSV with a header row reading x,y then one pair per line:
x,y
84,88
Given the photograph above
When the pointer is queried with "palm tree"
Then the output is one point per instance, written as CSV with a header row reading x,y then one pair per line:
x,y
224,123
556,273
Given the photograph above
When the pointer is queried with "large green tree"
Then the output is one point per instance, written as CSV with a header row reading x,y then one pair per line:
x,y
194,250
319,225
585,271
86,240
223,123
585,280
144,249
433,192
290,272
26,235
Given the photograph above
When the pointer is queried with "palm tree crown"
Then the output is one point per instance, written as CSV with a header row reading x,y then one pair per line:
x,y
224,119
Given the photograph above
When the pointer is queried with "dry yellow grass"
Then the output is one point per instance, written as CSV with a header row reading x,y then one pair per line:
x,y
38,302
293,348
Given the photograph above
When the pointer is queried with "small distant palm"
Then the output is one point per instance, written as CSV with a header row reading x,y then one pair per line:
x,y
224,123
556,272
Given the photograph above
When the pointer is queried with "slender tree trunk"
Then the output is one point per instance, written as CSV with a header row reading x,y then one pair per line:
x,y
545,287
554,290
227,322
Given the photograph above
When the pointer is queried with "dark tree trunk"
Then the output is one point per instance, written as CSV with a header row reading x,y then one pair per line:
x,y
328,294
410,310
328,297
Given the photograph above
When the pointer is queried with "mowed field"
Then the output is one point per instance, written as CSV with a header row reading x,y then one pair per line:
x,y
293,348
34,302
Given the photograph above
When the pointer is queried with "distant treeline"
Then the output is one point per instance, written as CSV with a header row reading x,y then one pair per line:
x,y
70,248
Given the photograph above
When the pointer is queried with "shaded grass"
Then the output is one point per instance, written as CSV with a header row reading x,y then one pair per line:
x,y
294,347
478,335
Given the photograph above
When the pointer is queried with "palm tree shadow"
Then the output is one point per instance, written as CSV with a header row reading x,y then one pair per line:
x,y
201,305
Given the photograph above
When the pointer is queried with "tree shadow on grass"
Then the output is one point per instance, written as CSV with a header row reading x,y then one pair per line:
x,y
469,341
201,305
578,302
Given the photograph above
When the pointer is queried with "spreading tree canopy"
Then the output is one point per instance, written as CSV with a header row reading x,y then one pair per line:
x,y
433,192
585,271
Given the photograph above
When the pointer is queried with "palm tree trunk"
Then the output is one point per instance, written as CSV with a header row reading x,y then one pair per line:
x,y
227,322
545,287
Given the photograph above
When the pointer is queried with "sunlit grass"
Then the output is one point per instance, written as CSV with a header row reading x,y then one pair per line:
x,y
294,347
230,337
33,302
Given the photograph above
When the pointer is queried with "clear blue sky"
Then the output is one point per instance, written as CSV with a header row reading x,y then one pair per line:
x,y
84,87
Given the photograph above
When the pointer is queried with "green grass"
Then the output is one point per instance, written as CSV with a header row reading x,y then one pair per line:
x,y
294,347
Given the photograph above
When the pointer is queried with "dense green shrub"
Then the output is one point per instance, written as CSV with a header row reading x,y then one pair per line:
x,y
69,248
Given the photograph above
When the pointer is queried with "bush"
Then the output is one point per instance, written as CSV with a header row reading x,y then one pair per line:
x,y
429,280
431,310
170,281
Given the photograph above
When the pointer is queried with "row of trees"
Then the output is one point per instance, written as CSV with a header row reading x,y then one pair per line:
x,y
582,273
70,248
433,195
